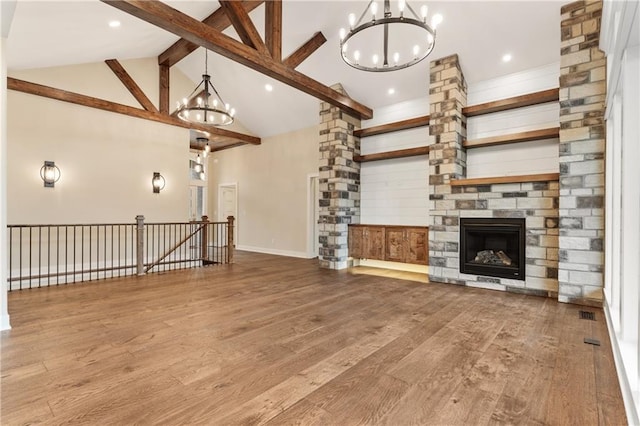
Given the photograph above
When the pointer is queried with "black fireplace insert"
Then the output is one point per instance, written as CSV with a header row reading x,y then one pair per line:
x,y
493,247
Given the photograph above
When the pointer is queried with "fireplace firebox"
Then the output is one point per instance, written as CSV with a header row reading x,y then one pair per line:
x,y
493,247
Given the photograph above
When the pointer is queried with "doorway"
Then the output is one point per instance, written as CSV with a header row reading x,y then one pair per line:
x,y
228,206
313,215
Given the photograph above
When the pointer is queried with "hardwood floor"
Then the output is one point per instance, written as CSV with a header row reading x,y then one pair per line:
x,y
277,340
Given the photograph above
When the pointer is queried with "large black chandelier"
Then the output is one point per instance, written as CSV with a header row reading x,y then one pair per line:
x,y
380,44
205,105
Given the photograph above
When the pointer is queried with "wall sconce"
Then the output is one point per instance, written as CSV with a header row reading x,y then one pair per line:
x,y
50,174
157,182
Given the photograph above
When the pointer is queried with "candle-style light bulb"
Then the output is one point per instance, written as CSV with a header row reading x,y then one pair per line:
x,y
215,103
207,148
430,38
374,10
356,56
199,159
401,6
185,101
233,112
396,58
436,20
199,101
416,50
352,20
226,106
343,33
375,60
423,12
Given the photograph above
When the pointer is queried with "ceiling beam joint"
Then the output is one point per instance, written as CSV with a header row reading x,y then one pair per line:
x,y
130,84
176,22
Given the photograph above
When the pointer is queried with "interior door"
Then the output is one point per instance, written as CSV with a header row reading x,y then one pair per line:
x,y
229,207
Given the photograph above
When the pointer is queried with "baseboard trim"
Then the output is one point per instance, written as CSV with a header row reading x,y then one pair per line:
x,y
5,324
633,417
277,252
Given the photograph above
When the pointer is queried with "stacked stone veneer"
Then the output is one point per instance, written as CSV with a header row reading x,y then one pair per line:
x,y
582,147
339,183
537,202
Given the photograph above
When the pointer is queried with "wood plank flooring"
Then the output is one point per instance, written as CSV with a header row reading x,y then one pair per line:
x,y
278,341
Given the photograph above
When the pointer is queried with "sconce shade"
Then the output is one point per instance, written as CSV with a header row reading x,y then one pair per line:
x,y
157,182
50,174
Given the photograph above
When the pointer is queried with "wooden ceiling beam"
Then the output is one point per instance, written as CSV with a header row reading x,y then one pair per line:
x,y
273,28
243,25
176,22
130,84
218,20
165,72
215,133
304,51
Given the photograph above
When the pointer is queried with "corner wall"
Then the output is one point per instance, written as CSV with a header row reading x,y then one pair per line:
x,y
582,144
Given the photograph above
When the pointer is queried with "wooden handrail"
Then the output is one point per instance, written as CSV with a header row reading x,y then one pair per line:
x,y
401,153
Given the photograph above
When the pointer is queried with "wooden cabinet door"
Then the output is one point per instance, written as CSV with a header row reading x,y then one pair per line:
x,y
395,245
417,246
357,241
375,243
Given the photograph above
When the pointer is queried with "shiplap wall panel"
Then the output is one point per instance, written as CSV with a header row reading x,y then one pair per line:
x,y
522,158
396,191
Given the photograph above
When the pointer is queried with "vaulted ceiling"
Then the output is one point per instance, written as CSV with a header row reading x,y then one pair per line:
x,y
56,33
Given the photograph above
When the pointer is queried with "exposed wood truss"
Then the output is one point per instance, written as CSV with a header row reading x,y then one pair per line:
x,y
304,51
215,134
273,28
243,25
164,88
130,84
201,34
218,20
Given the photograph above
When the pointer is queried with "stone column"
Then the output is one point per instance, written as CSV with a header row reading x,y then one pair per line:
x,y
582,146
339,183
447,160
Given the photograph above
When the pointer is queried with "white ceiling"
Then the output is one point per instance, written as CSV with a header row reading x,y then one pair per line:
x,y
54,33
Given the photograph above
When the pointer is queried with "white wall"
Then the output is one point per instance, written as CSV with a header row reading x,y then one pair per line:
x,y
620,39
396,191
106,159
7,9
272,191
521,158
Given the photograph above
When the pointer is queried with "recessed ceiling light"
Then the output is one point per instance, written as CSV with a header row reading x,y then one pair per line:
x,y
391,91
268,87
506,58
114,24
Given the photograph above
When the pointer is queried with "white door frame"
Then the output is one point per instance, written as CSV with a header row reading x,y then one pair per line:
x,y
233,185
312,245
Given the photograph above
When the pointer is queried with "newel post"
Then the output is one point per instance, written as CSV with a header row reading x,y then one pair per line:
x,y
230,242
140,244
205,238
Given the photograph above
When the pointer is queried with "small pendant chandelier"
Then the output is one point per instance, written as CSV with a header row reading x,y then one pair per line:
x,y
380,44
205,105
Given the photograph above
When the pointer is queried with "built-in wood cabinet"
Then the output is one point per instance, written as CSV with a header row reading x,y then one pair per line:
x,y
406,244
